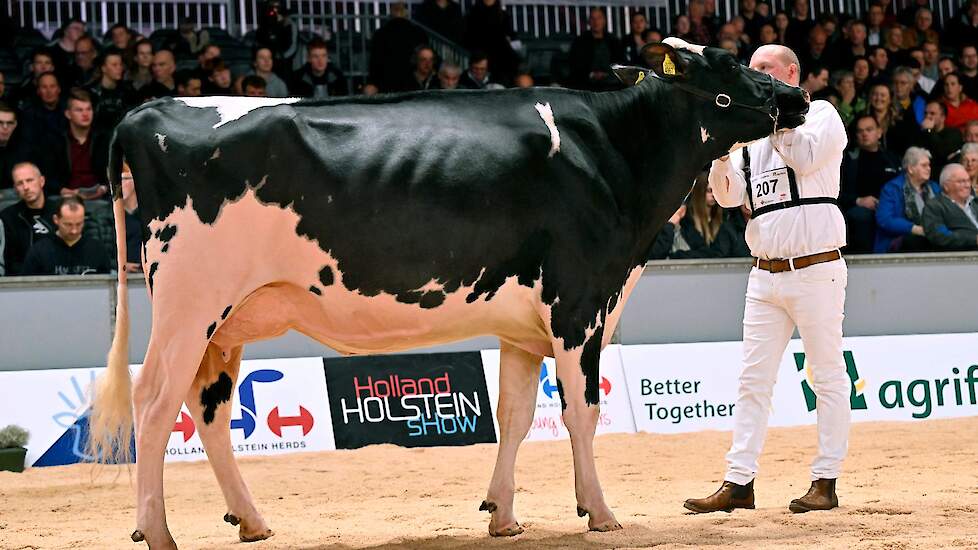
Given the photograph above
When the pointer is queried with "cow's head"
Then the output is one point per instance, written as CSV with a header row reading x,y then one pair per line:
x,y
735,104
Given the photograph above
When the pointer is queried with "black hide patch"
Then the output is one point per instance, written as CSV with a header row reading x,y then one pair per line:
x,y
432,298
560,392
212,396
227,311
590,361
315,290
152,271
211,329
326,276
165,234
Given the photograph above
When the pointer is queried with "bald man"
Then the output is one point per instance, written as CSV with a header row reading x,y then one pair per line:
x,y
790,181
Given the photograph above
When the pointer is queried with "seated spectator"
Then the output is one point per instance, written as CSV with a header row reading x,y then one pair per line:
x,y
29,220
488,28
188,84
593,53
120,36
865,169
442,16
951,218
767,35
134,231
369,89
317,78
963,29
82,73
875,33
205,61
922,29
3,88
262,64
968,70
909,102
81,154
635,40
971,132
190,41
112,95
41,62
879,65
391,47
219,80
277,33
932,54
894,46
816,53
899,215
922,85
899,132
753,21
969,159
945,67
63,50
253,86
698,225
478,76
163,84
941,141
731,241
849,102
43,119
422,73
448,76
815,78
701,29
69,251
140,69
860,76
855,47
13,149
523,80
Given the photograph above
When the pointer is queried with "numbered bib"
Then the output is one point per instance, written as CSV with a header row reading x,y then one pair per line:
x,y
770,187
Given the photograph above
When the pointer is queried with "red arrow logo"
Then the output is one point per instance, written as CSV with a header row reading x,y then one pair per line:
x,y
275,422
186,426
605,385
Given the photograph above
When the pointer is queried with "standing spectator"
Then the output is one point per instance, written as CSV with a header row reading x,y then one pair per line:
x,y
960,108
968,70
112,95
263,65
317,78
83,71
189,41
120,36
850,102
41,62
81,155
753,21
442,16
422,75
899,215
922,29
29,220
13,149
391,47
140,71
964,28
941,141
448,76
700,31
875,34
593,53
219,80
635,40
801,24
43,119
188,84
951,218
254,86
63,51
277,33
865,169
854,47
163,84
932,54
478,76
488,28
69,251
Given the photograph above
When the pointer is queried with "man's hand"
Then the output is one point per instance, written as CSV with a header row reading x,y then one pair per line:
x,y
674,220
133,267
868,202
65,192
927,123
917,230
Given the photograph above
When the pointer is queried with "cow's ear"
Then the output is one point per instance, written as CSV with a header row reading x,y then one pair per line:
x,y
629,75
664,60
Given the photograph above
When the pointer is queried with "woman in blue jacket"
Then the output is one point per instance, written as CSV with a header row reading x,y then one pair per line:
x,y
901,204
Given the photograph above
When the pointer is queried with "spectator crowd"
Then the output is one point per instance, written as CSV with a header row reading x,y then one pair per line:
x,y
905,88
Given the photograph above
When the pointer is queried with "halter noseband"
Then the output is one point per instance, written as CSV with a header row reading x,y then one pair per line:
x,y
724,101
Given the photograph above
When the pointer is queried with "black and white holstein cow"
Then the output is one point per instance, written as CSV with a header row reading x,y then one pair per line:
x,y
386,223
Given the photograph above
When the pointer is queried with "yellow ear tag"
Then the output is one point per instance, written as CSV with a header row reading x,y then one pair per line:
x,y
668,67
641,77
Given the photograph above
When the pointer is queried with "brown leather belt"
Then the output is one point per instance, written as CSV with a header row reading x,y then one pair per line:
x,y
801,262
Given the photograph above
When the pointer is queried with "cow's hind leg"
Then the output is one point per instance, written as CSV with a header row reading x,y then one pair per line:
x,y
209,401
519,373
575,368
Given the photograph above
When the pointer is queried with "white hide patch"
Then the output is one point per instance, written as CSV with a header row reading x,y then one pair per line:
x,y
233,108
680,44
547,114
161,139
704,134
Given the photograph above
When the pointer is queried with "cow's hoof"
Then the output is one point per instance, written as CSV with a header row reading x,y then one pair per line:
x,y
610,525
487,506
137,536
267,533
231,518
508,531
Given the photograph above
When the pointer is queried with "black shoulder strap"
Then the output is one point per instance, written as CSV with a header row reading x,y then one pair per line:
x,y
750,195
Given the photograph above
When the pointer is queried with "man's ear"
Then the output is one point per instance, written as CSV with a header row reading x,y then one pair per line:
x,y
630,75
664,60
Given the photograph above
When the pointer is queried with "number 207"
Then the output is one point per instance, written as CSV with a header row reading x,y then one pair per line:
x,y
766,186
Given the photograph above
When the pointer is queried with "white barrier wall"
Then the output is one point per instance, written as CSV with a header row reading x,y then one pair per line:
x,y
282,405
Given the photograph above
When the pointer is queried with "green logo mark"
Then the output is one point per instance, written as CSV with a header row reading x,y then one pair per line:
x,y
856,398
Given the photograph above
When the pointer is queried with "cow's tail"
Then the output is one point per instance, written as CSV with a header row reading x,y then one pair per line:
x,y
110,421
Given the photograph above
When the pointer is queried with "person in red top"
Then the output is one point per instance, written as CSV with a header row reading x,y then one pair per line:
x,y
960,108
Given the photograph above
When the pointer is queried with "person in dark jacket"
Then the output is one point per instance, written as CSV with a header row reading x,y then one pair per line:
x,y
488,28
865,169
593,53
27,221
951,219
318,78
391,48
899,214
13,148
731,241
69,251
442,16
80,155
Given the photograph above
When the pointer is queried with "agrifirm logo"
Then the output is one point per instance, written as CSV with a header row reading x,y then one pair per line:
x,y
857,400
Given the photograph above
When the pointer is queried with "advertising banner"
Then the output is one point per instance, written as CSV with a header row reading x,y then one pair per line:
x,y
615,415
410,400
689,387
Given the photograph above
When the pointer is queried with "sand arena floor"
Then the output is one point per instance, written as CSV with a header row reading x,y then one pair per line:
x,y
908,485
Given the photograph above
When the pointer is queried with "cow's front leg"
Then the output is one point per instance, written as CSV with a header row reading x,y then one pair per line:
x,y
209,401
577,383
519,374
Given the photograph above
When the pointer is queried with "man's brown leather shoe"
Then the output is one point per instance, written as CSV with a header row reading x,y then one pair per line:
x,y
729,496
821,496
